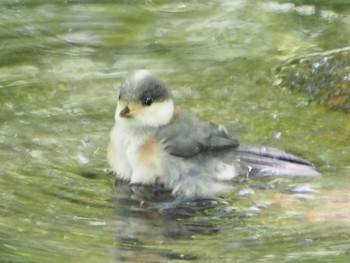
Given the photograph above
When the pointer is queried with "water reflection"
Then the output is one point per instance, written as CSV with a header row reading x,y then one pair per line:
x,y
148,223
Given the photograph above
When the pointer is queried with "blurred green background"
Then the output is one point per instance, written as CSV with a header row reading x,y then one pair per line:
x,y
61,63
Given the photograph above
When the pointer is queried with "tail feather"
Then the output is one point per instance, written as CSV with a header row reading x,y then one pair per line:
x,y
269,162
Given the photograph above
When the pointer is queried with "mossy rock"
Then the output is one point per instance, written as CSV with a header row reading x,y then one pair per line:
x,y
325,76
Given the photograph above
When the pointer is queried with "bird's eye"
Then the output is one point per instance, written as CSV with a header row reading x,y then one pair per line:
x,y
148,101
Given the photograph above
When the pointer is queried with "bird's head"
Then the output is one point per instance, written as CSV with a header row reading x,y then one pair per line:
x,y
144,100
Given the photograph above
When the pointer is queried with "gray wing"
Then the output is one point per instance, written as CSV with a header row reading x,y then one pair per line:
x,y
186,136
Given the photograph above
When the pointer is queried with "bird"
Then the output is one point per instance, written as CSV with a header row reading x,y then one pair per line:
x,y
155,142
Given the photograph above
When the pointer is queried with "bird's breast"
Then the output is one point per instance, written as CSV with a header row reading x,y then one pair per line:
x,y
136,156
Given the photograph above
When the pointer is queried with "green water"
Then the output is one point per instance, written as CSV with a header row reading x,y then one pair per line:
x,y
61,63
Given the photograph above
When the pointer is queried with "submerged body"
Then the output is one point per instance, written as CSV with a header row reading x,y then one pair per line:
x,y
154,142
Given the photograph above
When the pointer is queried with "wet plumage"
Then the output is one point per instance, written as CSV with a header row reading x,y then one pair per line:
x,y
155,142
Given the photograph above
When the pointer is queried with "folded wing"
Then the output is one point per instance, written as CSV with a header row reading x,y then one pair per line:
x,y
187,136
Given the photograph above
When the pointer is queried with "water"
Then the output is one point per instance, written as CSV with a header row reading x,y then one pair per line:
x,y
60,69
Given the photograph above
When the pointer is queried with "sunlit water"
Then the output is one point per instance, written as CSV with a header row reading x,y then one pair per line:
x,y
60,69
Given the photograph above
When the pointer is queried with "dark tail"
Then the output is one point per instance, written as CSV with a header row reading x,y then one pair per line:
x,y
265,162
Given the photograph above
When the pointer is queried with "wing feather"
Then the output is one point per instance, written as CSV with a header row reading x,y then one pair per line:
x,y
187,135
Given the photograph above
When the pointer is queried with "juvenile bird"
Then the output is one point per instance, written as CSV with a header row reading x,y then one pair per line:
x,y
154,142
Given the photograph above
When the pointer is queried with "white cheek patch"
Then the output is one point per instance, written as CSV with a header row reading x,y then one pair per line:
x,y
158,114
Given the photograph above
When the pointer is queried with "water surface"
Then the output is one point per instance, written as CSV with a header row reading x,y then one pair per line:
x,y
60,68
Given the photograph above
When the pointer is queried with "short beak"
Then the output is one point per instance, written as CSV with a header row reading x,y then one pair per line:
x,y
125,112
